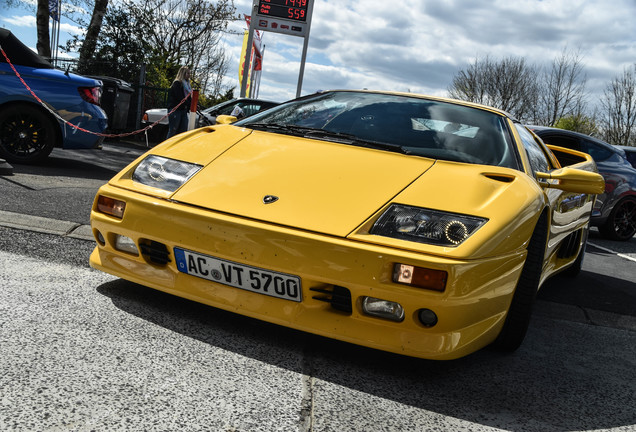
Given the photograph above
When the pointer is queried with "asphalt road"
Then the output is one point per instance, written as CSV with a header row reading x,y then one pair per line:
x,y
81,350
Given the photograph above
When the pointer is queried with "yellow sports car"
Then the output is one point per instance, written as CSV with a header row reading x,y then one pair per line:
x,y
412,224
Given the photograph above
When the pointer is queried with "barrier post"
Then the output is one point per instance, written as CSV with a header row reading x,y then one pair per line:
x,y
193,109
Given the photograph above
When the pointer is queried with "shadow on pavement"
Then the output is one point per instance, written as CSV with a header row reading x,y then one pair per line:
x,y
557,380
91,164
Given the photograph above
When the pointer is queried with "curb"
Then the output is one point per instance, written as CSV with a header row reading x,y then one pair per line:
x,y
46,225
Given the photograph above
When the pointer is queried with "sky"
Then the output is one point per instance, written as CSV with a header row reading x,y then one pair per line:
x,y
418,46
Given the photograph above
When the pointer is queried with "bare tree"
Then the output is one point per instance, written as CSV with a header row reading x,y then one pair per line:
x,y
561,90
508,84
619,105
92,33
183,32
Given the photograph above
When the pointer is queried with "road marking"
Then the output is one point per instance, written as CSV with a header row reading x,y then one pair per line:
x,y
612,251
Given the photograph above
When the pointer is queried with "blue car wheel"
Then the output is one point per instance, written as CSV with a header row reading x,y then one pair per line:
x,y
27,135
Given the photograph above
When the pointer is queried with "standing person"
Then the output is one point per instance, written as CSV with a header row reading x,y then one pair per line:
x,y
179,89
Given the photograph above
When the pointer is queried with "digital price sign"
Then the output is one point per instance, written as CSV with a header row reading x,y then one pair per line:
x,y
294,10
289,17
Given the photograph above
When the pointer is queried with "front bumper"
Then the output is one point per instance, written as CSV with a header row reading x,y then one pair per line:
x,y
471,310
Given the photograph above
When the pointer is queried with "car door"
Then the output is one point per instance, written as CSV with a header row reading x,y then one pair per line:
x,y
569,210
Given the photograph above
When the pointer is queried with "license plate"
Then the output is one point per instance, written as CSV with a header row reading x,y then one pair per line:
x,y
236,275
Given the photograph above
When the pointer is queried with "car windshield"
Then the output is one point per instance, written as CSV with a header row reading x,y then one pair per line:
x,y
409,125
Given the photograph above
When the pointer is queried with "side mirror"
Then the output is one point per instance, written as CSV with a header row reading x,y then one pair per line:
x,y
574,180
225,119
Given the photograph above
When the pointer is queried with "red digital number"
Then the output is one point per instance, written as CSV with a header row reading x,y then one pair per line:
x,y
296,3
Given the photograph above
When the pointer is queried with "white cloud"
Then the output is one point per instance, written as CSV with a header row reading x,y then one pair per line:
x,y
29,22
419,46
20,21
72,29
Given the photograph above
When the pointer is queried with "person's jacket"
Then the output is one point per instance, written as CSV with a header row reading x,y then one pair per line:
x,y
176,95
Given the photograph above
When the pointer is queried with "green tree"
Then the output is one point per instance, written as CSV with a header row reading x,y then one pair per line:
x,y
578,123
163,35
119,49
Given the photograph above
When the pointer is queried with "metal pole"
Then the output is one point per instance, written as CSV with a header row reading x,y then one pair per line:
x,y
302,66
301,74
141,90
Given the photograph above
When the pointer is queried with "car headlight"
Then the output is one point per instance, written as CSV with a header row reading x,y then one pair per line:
x,y
426,226
164,173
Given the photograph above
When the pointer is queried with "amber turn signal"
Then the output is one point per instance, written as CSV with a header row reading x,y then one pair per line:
x,y
111,206
420,277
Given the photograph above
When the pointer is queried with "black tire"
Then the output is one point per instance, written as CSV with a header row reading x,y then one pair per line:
x,y
621,223
27,135
520,310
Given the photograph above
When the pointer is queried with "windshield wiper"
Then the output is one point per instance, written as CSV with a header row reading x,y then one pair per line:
x,y
341,137
269,126
352,139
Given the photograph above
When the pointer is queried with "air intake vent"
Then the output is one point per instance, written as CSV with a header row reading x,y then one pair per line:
x,y
499,177
154,252
570,245
339,297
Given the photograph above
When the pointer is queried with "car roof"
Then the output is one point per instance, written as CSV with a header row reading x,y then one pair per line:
x,y
19,53
613,148
628,148
545,129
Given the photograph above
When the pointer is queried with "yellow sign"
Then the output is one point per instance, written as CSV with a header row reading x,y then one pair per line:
x,y
242,63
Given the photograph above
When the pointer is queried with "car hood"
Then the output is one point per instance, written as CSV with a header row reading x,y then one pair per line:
x,y
318,186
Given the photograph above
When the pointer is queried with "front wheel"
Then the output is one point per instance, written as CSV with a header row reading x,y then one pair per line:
x,y
520,310
27,135
621,223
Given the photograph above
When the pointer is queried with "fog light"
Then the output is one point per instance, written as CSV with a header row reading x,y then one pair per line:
x,y
383,309
100,237
420,277
111,206
125,244
427,317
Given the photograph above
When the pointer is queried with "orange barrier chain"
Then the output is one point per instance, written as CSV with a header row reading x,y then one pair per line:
x,y
56,115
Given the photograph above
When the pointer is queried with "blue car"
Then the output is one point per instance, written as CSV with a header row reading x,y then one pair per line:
x,y
28,130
